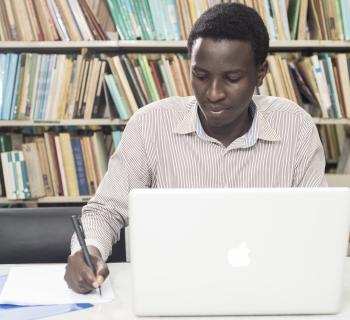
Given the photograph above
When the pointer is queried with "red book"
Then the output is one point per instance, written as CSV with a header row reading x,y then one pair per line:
x,y
94,24
156,79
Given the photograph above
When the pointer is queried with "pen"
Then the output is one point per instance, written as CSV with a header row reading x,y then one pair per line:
x,y
79,230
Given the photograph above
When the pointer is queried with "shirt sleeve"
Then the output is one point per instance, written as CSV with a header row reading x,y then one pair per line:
x,y
107,212
309,169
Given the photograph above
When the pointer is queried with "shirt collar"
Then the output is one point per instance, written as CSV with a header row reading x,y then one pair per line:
x,y
260,128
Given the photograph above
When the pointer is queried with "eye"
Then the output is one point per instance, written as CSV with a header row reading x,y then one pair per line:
x,y
198,75
233,79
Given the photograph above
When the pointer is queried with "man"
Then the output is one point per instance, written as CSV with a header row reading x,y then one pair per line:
x,y
222,137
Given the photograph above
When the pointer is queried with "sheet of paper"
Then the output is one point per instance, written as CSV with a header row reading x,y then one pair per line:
x,y
44,284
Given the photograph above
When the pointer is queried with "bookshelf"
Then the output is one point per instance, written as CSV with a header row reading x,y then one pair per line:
x,y
334,180
162,46
45,200
62,123
148,47
118,122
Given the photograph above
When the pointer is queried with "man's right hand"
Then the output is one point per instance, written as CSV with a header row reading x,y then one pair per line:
x,y
80,277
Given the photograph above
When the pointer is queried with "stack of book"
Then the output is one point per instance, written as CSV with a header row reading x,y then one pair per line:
x,y
304,19
52,20
57,86
139,79
55,164
50,86
319,83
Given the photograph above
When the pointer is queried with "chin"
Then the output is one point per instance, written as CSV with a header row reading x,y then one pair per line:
x,y
217,123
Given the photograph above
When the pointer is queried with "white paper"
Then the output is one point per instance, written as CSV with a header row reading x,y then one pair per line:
x,y
45,284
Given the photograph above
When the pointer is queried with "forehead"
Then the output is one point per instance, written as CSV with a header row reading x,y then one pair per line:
x,y
209,53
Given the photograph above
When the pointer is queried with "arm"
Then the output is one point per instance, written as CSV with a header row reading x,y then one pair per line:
x,y
309,166
107,212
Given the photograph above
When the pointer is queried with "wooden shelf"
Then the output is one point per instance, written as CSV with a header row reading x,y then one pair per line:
x,y
165,46
307,45
331,121
74,122
99,46
334,180
109,122
81,199
338,180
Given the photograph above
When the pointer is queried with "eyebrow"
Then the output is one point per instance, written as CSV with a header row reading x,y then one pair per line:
x,y
228,71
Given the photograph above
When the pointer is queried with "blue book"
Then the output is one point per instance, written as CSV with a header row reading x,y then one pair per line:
x,y
116,97
45,86
157,18
3,65
11,162
116,137
156,14
16,84
173,23
10,78
80,167
40,87
331,82
22,175
4,72
37,85
15,312
345,9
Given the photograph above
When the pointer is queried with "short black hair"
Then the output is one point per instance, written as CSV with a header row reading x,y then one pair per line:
x,y
232,21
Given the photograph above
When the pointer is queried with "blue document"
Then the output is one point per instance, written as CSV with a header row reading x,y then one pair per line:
x,y
15,312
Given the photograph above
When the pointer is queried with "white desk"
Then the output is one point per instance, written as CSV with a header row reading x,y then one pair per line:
x,y
120,308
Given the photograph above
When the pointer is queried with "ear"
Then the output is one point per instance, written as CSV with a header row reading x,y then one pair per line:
x,y
262,70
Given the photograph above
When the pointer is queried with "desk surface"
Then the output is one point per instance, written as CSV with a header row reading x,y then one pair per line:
x,y
121,309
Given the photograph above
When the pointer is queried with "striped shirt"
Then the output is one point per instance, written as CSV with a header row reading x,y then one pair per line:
x,y
165,146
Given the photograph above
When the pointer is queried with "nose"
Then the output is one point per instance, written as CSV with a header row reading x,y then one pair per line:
x,y
215,91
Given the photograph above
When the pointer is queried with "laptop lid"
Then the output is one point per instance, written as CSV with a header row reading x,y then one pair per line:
x,y
238,251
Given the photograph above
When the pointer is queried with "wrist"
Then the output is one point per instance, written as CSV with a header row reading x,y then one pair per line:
x,y
94,251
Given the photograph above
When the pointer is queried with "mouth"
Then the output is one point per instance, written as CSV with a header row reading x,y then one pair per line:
x,y
216,109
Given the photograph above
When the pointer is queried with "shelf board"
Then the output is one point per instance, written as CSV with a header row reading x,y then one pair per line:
x,y
317,45
74,122
151,45
100,46
338,180
81,199
109,122
334,180
332,121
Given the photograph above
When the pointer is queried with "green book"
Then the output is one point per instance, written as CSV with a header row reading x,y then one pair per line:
x,y
147,15
340,17
125,18
120,105
148,76
293,17
118,22
331,82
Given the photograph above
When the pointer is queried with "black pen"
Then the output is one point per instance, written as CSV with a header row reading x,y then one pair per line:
x,y
79,230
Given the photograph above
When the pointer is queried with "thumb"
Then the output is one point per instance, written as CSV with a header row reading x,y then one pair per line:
x,y
102,272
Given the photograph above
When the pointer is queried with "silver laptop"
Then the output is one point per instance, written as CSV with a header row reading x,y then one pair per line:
x,y
200,252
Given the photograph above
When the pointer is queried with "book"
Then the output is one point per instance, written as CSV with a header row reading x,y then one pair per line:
x,y
33,167
80,166
69,168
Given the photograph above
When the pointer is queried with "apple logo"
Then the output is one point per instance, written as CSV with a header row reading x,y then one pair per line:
x,y
239,257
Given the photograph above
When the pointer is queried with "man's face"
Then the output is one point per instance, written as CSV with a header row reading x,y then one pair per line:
x,y
223,77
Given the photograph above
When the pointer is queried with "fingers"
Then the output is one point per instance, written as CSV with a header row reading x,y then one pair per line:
x,y
80,278
102,272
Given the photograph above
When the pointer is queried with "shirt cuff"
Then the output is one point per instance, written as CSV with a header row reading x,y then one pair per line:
x,y
75,247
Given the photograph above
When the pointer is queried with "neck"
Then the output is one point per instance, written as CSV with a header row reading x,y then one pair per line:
x,y
230,132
